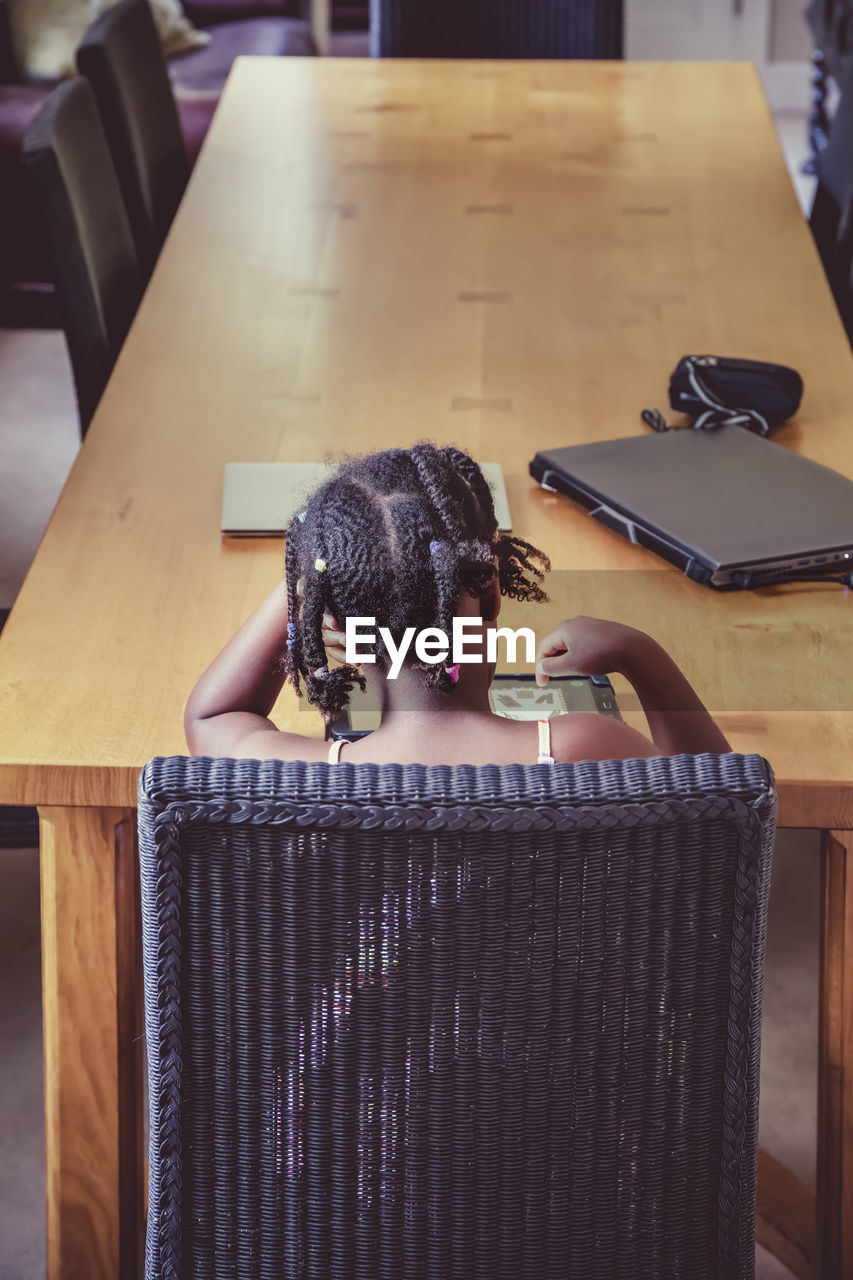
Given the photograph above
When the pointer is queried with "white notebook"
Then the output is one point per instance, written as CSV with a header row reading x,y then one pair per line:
x,y
259,499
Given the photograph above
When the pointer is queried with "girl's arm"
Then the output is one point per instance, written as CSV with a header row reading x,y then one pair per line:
x,y
591,646
238,690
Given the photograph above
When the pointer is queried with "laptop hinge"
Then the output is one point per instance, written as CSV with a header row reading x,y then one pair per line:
x,y
615,520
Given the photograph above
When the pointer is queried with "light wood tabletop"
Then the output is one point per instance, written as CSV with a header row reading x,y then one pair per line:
x,y
505,256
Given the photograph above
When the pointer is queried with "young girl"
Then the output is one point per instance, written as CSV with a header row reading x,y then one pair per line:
x,y
409,538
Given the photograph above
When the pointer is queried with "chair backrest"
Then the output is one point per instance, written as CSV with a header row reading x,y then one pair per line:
x,y
9,72
408,1021
831,218
96,270
121,57
496,28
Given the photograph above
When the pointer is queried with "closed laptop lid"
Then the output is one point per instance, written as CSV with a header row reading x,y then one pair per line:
x,y
259,499
727,496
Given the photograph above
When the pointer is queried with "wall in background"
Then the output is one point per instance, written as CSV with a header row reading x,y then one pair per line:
x,y
770,33
790,40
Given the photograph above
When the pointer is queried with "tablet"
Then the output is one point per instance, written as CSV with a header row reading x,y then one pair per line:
x,y
517,697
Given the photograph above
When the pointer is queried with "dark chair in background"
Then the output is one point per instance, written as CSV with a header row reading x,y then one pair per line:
x,y
96,270
472,1021
207,13
268,27
831,24
121,57
831,217
25,293
497,28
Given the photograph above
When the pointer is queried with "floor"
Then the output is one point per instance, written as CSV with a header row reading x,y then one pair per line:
x,y
38,441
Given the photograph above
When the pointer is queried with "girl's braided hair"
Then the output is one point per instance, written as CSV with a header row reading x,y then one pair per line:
x,y
395,536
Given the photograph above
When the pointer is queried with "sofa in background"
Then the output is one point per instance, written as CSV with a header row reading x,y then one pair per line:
x,y
236,27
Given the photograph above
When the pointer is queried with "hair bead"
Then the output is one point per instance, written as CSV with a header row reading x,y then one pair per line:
x,y
320,565
453,672
291,635
322,673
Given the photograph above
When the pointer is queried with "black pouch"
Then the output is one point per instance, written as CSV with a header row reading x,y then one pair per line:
x,y
720,391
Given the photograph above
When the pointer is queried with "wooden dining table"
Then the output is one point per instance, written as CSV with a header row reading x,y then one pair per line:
x,y
506,256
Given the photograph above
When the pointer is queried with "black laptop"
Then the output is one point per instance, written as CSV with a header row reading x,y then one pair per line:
x,y
730,508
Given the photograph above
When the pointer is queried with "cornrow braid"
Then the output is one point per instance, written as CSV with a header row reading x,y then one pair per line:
x,y
397,536
445,566
313,607
292,658
458,566
434,479
414,532
465,465
329,689
521,569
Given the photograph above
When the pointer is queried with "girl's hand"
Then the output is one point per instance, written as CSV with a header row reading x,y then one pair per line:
x,y
334,639
592,647
587,647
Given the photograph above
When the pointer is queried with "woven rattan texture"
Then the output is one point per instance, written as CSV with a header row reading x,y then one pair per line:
x,y
412,1023
497,28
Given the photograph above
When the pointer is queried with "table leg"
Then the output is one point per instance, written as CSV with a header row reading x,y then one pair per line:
x,y
92,1043
785,1217
835,1069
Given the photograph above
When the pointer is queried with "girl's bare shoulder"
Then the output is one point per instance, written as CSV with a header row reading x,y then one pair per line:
x,y
586,735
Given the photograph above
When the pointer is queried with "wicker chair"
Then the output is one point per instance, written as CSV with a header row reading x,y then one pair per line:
x,y
409,1022
496,28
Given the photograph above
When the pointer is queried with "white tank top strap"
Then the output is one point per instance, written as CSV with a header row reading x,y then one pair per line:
x,y
335,748
545,756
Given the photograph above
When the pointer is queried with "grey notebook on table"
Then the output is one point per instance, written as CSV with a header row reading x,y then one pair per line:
x,y
259,499
730,508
